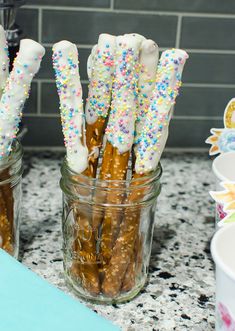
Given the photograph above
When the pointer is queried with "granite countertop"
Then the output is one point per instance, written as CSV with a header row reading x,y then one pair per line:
x,y
180,292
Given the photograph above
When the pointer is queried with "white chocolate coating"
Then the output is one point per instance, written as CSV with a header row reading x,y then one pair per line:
x,y
155,129
90,61
65,63
148,69
4,60
121,125
138,36
100,87
16,91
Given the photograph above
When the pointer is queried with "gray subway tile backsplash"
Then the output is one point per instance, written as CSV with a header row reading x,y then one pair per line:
x,y
210,68
207,33
31,104
202,101
76,3
201,6
186,133
46,70
27,19
50,100
43,131
90,24
209,74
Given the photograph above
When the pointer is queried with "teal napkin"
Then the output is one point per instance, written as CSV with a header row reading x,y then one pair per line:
x,y
29,303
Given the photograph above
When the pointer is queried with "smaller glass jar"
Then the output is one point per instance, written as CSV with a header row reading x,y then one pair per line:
x,y
10,199
107,234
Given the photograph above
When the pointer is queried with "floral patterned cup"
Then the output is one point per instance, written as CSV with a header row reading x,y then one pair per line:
x,y
223,167
222,249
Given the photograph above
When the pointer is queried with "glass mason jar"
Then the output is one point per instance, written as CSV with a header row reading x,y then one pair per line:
x,y
10,199
107,234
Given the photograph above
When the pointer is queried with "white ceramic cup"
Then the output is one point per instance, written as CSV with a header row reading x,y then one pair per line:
x,y
223,253
223,167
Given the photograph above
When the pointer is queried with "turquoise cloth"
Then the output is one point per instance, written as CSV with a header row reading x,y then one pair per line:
x,y
29,303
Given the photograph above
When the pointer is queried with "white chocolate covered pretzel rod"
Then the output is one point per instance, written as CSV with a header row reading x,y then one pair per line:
x,y
154,132
165,92
120,134
65,63
16,91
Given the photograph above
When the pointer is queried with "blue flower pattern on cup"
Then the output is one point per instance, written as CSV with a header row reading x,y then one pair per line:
x,y
226,141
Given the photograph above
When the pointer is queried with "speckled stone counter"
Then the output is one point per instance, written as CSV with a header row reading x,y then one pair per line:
x,y
180,292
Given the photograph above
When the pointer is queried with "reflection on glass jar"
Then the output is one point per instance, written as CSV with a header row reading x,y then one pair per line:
x,y
107,232
10,199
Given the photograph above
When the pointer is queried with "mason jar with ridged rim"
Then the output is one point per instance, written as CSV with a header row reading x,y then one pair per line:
x,y
10,199
107,234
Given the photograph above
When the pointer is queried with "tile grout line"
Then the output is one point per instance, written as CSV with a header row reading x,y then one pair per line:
x,y
211,51
49,115
178,32
39,25
196,118
186,149
44,148
212,85
112,4
129,11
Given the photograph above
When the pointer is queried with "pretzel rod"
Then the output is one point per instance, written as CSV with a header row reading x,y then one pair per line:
x,y
134,266
5,227
164,95
65,63
120,134
16,91
100,68
147,77
4,60
155,131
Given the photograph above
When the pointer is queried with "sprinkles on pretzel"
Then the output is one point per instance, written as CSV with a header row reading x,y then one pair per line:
x,y
123,79
100,69
151,144
65,63
147,76
16,89
154,133
120,131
